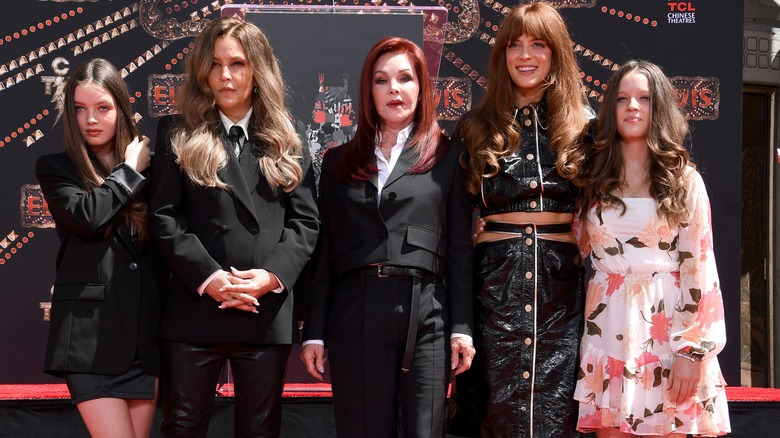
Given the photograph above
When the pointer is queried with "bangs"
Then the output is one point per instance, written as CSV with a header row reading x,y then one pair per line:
x,y
532,25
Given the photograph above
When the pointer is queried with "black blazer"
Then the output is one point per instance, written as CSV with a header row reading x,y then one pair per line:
x,y
107,300
422,221
250,225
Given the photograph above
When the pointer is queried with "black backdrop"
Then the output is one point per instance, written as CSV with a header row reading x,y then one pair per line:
x,y
697,42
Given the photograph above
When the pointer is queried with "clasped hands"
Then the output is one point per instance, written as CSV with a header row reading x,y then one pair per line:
x,y
241,289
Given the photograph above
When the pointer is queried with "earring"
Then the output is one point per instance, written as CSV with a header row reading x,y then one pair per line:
x,y
254,90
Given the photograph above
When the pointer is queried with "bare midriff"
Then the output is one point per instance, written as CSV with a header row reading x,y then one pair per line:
x,y
523,217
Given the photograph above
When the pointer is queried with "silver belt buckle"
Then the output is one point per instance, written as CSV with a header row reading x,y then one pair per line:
x,y
379,272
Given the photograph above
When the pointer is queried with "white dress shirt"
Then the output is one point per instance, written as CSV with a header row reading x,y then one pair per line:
x,y
384,168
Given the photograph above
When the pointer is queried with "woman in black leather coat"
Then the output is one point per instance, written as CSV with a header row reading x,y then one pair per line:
x,y
524,147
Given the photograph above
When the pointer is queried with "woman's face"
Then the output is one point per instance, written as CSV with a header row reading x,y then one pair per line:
x,y
528,61
96,115
633,107
230,78
395,90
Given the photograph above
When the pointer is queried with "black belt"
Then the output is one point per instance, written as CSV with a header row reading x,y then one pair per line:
x,y
509,227
417,276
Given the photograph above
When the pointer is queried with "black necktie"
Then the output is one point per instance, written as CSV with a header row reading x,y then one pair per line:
x,y
235,134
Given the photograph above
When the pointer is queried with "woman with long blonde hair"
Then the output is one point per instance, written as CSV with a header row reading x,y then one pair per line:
x,y
234,215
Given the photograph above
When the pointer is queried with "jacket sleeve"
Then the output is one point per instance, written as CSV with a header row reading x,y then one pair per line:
x,y
182,250
318,296
85,214
458,274
698,322
301,226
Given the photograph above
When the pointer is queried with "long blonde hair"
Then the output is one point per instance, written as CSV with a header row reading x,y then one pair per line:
x,y
669,159
91,169
490,130
197,143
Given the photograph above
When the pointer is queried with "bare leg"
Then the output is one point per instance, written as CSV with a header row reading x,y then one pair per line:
x,y
142,414
107,417
615,433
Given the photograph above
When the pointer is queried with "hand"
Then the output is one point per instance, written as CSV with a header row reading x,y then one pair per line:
x,y
214,286
137,154
479,228
462,354
683,379
247,286
313,356
227,300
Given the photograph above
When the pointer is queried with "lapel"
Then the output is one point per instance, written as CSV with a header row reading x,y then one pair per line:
x,y
123,232
234,175
404,163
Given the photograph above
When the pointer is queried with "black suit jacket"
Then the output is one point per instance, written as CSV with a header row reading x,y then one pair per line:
x,y
251,225
422,221
107,300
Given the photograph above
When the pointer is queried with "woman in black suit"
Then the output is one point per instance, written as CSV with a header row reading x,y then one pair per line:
x,y
392,282
106,303
234,215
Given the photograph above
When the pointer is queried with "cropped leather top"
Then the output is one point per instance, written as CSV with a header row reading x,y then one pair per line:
x,y
528,181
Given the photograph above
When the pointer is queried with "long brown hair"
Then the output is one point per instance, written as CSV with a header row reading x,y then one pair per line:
x,y
669,159
197,143
91,169
490,130
358,162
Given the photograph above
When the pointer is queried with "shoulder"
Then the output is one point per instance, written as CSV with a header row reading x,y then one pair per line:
x,y
47,163
693,178
166,124
452,146
333,153
694,184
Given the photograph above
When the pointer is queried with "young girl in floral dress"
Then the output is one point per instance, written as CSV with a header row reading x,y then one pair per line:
x,y
654,312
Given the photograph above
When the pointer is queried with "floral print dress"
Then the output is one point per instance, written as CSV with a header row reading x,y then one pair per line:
x,y
655,291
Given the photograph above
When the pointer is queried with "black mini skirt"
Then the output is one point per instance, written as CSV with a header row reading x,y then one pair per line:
x,y
133,384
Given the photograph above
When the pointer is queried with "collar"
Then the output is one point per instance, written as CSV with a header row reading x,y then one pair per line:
x,y
403,135
243,123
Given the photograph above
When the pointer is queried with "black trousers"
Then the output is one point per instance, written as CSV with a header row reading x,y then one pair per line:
x,y
366,338
189,378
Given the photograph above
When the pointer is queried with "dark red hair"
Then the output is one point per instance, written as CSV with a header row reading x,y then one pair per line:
x,y
358,162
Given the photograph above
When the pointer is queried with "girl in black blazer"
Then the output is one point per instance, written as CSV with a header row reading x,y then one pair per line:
x,y
234,215
391,294
106,303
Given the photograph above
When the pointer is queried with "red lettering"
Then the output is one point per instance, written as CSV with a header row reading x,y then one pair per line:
x,y
681,6
36,206
449,98
164,95
706,99
457,97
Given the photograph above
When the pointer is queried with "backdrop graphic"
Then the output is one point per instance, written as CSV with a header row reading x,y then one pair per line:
x,y
697,42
